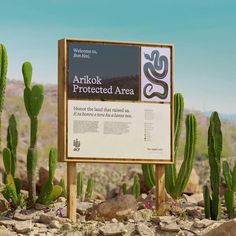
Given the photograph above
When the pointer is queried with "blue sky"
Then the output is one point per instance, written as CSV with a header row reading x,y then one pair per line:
x,y
203,33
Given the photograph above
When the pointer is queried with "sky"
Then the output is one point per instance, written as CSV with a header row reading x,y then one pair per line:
x,y
203,33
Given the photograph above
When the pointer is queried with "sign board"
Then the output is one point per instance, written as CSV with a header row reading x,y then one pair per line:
x,y
115,102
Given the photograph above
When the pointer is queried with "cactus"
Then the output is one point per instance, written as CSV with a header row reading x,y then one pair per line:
x,y
207,201
11,190
3,74
63,186
89,189
230,180
174,183
124,188
33,100
80,185
12,141
49,191
136,187
214,153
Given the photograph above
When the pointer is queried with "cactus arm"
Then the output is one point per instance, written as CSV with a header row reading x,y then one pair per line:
x,y
36,101
62,184
3,74
207,202
9,191
33,131
89,190
27,97
56,193
136,187
147,176
27,73
227,175
234,178
7,160
12,141
45,192
80,185
124,188
189,152
52,163
229,202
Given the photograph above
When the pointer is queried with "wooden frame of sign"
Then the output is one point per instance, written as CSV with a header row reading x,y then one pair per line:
x,y
104,104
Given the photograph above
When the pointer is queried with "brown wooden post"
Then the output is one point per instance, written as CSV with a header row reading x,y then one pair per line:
x,y
160,188
71,191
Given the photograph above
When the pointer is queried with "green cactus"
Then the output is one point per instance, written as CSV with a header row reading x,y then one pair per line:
x,y
230,180
89,189
207,201
124,188
214,152
63,186
12,141
11,190
80,185
174,183
3,74
33,100
136,187
49,191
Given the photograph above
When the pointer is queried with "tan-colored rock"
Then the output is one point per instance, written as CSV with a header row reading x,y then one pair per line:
x,y
112,229
142,215
55,224
120,208
172,227
6,232
23,227
144,230
228,228
66,226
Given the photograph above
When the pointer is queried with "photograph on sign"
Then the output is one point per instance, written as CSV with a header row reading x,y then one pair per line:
x,y
118,101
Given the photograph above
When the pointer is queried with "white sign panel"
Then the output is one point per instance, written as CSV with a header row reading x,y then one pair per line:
x,y
118,130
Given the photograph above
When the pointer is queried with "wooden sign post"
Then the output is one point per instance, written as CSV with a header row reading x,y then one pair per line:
x,y
115,105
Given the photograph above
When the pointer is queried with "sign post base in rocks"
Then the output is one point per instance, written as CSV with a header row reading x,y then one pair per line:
x,y
71,191
115,105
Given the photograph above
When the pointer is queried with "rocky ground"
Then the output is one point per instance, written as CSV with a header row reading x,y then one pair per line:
x,y
122,215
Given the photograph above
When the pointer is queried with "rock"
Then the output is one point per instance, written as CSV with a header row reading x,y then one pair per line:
x,y
142,215
143,230
7,221
195,212
61,199
23,227
6,232
47,218
112,229
98,196
28,215
120,208
164,219
76,233
82,207
199,224
194,198
228,228
193,183
172,227
39,206
55,224
66,226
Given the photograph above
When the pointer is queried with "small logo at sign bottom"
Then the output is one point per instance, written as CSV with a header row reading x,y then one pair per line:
x,y
76,144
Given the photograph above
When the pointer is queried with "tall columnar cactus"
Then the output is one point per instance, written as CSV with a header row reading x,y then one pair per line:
x,y
3,74
230,180
214,152
175,183
12,141
89,189
33,99
136,187
49,191
80,185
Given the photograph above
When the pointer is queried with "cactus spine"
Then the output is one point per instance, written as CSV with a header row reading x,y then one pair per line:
x,y
214,152
50,192
136,187
174,183
3,74
80,185
89,189
33,99
230,180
